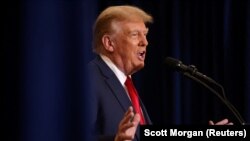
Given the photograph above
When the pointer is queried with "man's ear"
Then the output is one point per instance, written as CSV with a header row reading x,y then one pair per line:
x,y
108,43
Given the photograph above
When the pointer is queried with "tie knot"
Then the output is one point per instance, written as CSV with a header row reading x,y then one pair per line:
x,y
129,84
128,81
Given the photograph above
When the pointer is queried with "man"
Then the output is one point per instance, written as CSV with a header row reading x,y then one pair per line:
x,y
120,44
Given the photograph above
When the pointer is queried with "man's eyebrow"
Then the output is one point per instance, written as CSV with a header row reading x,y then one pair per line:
x,y
136,30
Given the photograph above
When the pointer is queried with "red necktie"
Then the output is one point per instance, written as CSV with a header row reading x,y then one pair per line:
x,y
134,98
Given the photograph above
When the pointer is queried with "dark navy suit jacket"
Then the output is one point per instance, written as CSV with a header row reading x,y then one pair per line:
x,y
109,101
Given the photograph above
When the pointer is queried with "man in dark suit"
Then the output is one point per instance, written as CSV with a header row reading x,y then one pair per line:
x,y
120,44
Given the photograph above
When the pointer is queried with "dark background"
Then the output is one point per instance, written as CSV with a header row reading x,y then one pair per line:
x,y
46,45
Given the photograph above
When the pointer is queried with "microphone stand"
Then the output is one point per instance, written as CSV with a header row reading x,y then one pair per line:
x,y
223,99
192,73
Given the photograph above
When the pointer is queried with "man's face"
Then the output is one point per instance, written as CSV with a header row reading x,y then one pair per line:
x,y
130,44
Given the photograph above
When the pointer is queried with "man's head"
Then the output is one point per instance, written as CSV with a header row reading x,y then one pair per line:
x,y
120,34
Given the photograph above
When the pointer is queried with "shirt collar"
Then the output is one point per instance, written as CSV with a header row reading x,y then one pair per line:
x,y
119,74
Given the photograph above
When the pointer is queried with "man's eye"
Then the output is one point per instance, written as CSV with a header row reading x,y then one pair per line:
x,y
134,34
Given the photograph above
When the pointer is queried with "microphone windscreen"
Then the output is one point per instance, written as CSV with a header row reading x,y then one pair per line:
x,y
171,62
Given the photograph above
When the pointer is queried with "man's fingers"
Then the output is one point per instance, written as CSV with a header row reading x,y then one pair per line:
x,y
222,122
130,109
210,122
128,116
124,136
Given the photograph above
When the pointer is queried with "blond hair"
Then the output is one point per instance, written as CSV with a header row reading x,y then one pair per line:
x,y
116,13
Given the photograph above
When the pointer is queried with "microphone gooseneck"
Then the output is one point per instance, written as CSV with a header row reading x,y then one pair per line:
x,y
192,72
191,69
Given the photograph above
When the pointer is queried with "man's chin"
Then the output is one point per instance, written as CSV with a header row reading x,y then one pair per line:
x,y
139,67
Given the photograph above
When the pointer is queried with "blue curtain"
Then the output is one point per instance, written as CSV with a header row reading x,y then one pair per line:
x,y
213,36
46,47
47,44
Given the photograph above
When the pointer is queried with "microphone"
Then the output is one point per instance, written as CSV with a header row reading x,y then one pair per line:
x,y
192,73
191,69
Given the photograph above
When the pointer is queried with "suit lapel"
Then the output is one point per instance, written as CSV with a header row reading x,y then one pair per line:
x,y
121,96
114,84
118,90
119,93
